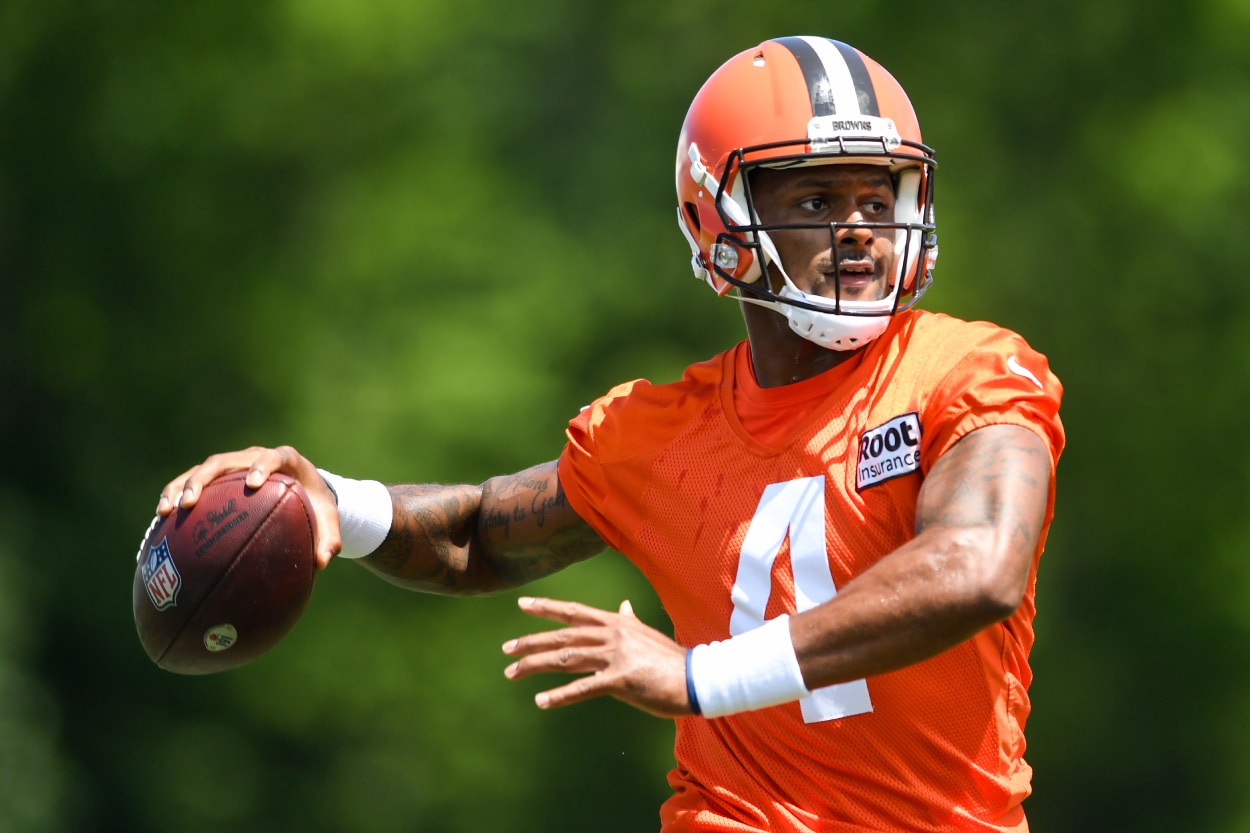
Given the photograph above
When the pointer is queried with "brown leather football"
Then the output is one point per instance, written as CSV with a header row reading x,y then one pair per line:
x,y
220,584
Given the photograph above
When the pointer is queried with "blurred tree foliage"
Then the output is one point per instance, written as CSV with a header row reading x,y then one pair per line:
x,y
412,238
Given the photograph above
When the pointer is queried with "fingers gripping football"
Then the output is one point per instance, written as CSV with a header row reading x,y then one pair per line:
x,y
184,490
619,655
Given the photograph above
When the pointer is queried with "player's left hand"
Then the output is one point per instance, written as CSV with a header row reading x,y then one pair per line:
x,y
621,656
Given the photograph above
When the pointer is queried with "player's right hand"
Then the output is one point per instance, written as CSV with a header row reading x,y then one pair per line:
x,y
184,490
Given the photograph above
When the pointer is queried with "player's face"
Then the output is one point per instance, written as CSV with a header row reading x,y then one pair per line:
x,y
830,194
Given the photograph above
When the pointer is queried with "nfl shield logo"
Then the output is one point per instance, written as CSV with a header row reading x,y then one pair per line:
x,y
161,576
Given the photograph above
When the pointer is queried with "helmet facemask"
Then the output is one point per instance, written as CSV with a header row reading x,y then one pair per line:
x,y
741,255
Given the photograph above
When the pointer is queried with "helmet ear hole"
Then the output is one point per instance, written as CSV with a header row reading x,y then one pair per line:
x,y
692,213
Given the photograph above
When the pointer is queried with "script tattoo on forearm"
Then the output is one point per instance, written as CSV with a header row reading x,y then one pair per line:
x,y
531,530
522,499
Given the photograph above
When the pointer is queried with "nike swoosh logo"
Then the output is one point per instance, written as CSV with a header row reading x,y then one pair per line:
x,y
1020,370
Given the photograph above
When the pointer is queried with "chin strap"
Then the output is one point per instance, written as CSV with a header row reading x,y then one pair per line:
x,y
826,327
832,330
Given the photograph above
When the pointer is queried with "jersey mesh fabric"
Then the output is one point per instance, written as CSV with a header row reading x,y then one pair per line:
x,y
670,476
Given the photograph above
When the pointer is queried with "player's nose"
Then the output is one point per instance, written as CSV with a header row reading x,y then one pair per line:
x,y
852,232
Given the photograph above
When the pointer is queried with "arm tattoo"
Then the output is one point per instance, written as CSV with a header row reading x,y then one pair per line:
x,y
531,530
425,547
997,476
481,539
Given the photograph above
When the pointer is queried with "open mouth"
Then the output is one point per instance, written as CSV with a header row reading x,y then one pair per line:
x,y
855,274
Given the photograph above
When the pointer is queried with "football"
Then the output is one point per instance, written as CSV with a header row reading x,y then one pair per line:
x,y
220,584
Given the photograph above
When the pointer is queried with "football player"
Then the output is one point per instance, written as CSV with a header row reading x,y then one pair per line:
x,y
843,514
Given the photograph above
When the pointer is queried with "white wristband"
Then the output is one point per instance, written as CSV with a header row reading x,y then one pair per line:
x,y
750,671
365,513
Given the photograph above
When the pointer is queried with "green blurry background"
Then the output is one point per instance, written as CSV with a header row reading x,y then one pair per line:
x,y
412,238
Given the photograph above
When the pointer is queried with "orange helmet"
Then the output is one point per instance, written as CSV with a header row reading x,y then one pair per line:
x,y
790,102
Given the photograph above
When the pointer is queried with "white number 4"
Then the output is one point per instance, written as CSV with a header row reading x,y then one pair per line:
x,y
797,509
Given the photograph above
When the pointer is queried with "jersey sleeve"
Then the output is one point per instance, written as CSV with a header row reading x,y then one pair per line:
x,y
1000,381
593,436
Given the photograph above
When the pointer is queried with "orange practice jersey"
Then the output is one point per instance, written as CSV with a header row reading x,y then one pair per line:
x,y
740,504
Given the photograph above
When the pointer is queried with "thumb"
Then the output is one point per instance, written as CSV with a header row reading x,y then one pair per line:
x,y
626,609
